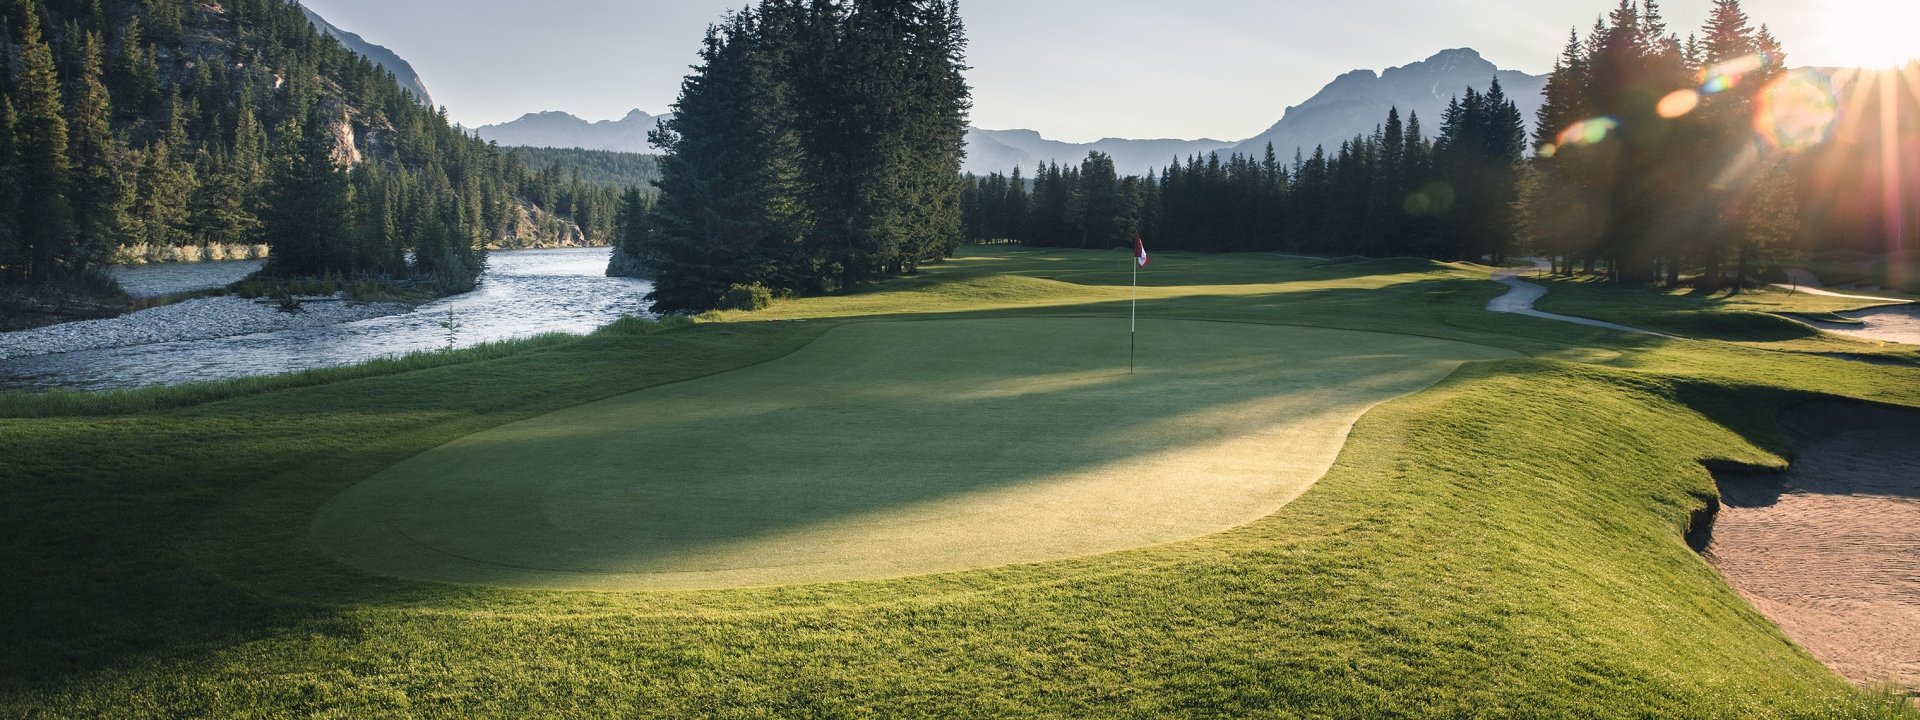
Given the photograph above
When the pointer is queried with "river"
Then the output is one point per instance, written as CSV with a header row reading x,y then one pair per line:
x,y
522,293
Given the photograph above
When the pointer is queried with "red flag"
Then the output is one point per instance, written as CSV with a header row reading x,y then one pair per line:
x,y
1139,251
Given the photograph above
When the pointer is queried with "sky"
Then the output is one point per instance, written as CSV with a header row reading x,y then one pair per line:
x,y
1076,70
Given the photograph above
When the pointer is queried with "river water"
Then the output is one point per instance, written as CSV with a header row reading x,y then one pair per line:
x,y
522,293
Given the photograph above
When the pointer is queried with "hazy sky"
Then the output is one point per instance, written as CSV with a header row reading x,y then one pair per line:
x,y
1073,69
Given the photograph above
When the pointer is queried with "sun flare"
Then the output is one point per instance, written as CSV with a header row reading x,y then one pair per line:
x,y
1871,34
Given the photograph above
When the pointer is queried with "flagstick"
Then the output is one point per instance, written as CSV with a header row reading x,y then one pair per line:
x,y
1133,319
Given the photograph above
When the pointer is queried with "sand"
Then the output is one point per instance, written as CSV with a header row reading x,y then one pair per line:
x,y
1830,551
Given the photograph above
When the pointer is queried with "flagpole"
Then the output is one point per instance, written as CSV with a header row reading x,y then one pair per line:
x,y
1133,318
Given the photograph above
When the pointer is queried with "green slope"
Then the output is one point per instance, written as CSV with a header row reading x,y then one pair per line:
x,y
1506,543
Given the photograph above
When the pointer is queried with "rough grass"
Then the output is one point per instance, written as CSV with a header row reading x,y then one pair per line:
x,y
1507,543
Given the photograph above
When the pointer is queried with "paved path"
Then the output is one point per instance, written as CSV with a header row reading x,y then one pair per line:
x,y
1520,299
1830,293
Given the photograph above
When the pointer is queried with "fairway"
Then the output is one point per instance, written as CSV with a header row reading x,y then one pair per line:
x,y
886,449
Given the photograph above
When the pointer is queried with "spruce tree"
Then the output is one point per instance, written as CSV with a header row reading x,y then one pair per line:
x,y
220,212
46,217
12,253
306,210
99,196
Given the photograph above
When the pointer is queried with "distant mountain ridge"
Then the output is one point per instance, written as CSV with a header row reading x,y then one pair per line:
x,y
990,151
1353,104
555,129
387,59
1356,102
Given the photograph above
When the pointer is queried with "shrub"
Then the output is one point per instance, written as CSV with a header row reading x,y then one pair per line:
x,y
637,325
746,297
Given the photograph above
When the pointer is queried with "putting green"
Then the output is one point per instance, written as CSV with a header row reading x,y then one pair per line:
x,y
891,448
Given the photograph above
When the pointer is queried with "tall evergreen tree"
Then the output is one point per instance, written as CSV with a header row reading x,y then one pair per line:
x,y
46,217
306,209
815,147
12,252
98,195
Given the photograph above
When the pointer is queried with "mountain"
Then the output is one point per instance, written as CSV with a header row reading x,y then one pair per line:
x,y
402,71
1000,150
1353,104
1358,101
561,130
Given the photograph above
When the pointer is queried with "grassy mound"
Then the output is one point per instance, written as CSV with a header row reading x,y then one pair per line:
x,y
1506,543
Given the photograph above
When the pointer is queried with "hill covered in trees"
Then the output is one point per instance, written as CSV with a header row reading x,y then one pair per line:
x,y
816,146
173,123
617,170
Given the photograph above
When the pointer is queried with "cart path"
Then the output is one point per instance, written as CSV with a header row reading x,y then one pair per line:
x,y
1520,298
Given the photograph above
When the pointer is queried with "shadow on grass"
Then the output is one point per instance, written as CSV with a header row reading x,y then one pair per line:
x,y
893,439
165,534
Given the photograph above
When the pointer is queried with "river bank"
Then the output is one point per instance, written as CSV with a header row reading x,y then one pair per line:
x,y
521,294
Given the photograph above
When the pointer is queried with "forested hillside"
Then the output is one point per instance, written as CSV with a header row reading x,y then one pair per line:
x,y
617,170
133,126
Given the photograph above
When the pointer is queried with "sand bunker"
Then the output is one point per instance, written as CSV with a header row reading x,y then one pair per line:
x,y
1891,324
1830,550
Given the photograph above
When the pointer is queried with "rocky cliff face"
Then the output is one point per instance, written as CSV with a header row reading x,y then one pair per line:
x,y
387,59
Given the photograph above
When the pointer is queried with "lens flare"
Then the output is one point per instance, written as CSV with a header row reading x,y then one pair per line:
x,y
1727,75
1588,132
1797,111
1678,103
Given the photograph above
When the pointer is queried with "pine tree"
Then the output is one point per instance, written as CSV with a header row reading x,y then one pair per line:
x,y
306,209
134,78
220,212
12,253
1100,214
99,197
46,217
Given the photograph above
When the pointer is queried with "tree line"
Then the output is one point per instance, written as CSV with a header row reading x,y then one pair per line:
x,y
1646,166
170,123
816,146
1391,192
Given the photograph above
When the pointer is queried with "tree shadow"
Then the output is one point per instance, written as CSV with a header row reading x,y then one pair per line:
x,y
162,537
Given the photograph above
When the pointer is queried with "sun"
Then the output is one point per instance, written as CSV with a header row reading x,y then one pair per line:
x,y
1866,33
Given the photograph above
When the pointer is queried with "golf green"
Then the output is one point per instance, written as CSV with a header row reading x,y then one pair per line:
x,y
887,449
